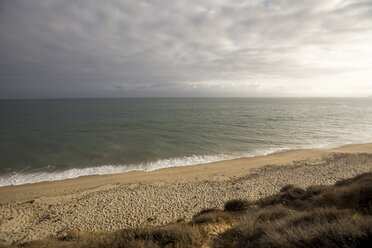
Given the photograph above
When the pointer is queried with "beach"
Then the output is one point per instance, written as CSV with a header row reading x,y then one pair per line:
x,y
138,198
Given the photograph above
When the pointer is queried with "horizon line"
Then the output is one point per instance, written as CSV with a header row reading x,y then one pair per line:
x,y
158,97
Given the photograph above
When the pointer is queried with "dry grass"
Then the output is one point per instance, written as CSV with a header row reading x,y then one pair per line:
x,y
354,193
318,228
213,216
272,213
174,235
320,216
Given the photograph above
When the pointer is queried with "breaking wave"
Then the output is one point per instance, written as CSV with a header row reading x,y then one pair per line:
x,y
18,178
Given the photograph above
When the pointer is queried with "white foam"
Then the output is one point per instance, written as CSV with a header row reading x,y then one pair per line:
x,y
18,178
34,177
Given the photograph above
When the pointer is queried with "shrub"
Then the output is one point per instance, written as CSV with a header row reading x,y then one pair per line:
x,y
297,218
179,235
243,228
365,178
208,210
211,217
272,213
355,193
312,229
175,235
237,205
289,195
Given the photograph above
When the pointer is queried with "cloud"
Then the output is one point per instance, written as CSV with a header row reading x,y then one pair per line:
x,y
88,48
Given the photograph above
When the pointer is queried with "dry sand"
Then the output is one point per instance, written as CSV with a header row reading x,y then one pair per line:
x,y
110,202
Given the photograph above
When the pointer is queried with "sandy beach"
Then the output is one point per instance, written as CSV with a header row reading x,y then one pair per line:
x,y
111,202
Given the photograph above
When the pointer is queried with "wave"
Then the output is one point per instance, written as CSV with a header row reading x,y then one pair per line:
x,y
18,178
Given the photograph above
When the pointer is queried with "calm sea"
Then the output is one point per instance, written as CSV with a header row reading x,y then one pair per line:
x,y
44,140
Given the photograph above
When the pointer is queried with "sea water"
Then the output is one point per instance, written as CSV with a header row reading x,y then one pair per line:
x,y
45,140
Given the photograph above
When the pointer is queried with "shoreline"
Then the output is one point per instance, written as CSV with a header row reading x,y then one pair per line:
x,y
102,170
29,191
167,163
127,200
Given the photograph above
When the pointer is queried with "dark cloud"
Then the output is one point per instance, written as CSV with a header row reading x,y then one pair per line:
x,y
96,48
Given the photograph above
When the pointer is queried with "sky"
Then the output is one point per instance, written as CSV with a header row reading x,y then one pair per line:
x,y
190,48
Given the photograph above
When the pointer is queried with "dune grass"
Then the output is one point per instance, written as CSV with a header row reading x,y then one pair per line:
x,y
319,216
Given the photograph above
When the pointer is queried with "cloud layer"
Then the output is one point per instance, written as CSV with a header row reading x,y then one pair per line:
x,y
93,48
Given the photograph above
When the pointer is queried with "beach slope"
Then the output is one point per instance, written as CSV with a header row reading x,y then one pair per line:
x,y
111,202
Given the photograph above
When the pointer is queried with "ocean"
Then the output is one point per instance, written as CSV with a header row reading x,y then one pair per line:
x,y
46,140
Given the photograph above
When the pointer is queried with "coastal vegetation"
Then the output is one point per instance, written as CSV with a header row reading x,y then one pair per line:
x,y
318,216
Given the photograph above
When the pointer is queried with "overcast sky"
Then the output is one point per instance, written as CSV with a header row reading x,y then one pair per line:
x,y
131,48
